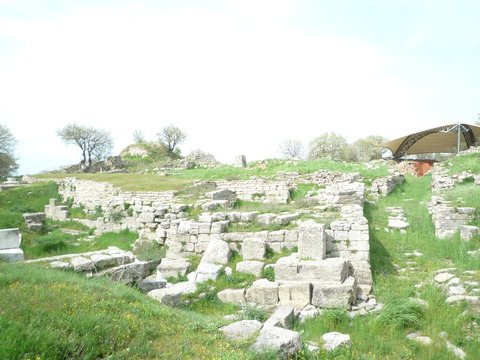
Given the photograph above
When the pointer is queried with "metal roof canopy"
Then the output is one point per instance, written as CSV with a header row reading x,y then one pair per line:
x,y
436,140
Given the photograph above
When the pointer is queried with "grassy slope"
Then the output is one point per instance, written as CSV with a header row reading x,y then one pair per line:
x,y
181,178
50,314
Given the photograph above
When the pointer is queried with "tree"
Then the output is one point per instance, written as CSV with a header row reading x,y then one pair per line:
x,y
330,146
8,163
170,137
96,144
292,149
366,149
139,137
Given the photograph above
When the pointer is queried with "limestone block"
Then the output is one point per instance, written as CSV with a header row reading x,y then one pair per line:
x,y
282,317
250,267
61,265
275,246
334,340
334,294
276,236
82,264
249,216
166,297
217,252
241,330
206,271
219,227
254,249
150,284
172,268
146,217
295,293
224,194
240,161
10,239
311,240
285,219
11,255
129,273
204,227
260,235
234,216
233,237
291,235
333,269
266,219
124,257
286,269
233,296
361,271
263,292
285,342
101,260
467,231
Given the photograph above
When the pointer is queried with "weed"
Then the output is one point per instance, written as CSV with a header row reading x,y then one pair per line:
x,y
268,273
401,314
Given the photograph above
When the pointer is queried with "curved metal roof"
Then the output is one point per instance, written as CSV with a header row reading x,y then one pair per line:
x,y
441,139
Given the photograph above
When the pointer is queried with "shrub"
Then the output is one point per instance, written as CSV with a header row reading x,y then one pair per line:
x,y
254,313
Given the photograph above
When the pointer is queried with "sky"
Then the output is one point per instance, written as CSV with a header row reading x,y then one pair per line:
x,y
237,76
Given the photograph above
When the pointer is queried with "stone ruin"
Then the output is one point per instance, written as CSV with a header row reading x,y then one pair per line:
x,y
329,269
10,241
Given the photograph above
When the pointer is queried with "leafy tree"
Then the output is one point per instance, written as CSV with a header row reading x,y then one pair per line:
x,y
292,149
171,136
139,137
330,146
365,149
96,144
8,163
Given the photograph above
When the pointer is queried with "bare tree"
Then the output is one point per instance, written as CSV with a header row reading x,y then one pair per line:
x,y
170,137
331,146
8,163
292,149
139,137
95,144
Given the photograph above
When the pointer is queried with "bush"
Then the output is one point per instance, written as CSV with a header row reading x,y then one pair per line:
x,y
268,273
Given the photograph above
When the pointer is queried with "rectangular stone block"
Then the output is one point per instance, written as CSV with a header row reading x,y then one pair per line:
x,y
11,255
296,294
311,241
286,269
334,269
253,249
263,292
10,239
334,295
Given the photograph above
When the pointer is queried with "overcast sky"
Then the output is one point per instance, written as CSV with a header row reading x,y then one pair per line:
x,y
238,76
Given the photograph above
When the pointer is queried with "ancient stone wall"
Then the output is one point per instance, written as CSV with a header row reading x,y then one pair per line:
x,y
259,190
448,220
384,186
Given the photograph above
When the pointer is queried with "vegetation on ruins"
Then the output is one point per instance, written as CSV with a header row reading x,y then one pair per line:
x,y
8,163
48,313
95,144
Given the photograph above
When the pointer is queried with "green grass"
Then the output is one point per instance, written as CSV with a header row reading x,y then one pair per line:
x,y
60,243
130,182
50,314
457,164
181,178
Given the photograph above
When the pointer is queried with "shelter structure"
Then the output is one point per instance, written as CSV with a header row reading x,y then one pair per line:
x,y
441,139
